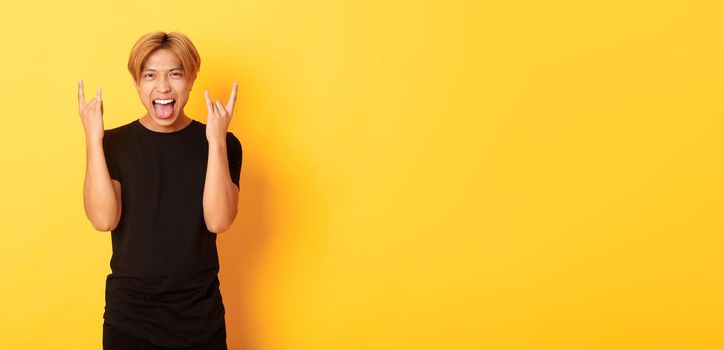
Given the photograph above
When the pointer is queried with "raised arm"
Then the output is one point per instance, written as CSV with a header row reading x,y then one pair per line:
x,y
101,194
221,195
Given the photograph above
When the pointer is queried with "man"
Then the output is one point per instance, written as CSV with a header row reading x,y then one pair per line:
x,y
165,185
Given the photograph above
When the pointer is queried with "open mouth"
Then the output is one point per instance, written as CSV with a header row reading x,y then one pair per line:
x,y
164,108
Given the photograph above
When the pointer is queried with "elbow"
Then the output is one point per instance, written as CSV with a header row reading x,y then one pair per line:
x,y
102,220
217,227
220,224
104,226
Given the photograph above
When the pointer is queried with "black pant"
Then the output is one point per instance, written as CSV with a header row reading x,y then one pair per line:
x,y
115,339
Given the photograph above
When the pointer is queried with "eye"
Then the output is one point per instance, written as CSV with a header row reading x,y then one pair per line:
x,y
148,75
176,74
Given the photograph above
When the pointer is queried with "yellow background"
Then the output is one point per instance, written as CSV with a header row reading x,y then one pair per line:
x,y
417,175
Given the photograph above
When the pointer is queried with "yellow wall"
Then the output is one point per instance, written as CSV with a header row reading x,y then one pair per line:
x,y
417,175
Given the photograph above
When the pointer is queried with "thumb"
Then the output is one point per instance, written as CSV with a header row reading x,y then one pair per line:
x,y
100,101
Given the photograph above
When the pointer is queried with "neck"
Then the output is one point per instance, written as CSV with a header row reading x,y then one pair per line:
x,y
182,120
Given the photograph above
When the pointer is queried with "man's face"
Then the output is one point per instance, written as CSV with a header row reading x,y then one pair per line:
x,y
163,79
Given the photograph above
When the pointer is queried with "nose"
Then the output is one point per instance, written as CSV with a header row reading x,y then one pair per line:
x,y
163,85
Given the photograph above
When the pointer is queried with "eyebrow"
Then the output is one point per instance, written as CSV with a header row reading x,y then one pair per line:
x,y
153,70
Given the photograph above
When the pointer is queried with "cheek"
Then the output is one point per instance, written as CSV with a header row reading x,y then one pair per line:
x,y
183,88
143,92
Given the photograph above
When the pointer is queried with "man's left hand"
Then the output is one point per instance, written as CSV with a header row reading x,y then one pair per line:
x,y
219,116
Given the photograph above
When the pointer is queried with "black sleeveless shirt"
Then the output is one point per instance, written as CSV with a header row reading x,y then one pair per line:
x,y
164,283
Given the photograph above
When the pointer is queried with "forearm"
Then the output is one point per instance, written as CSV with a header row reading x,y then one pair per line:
x,y
220,193
99,198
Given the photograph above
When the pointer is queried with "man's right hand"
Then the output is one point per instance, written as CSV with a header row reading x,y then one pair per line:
x,y
91,113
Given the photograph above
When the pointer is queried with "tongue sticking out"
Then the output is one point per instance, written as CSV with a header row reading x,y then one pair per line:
x,y
163,111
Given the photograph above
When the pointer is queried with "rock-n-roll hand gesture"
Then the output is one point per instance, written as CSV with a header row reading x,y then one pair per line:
x,y
91,113
219,117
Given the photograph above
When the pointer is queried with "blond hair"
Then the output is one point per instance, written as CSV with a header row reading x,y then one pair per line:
x,y
176,42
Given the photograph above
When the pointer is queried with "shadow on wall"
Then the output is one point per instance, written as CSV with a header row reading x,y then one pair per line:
x,y
243,247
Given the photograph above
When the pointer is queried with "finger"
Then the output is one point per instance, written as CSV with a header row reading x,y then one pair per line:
x,y
232,99
81,98
89,106
209,106
219,107
99,94
92,104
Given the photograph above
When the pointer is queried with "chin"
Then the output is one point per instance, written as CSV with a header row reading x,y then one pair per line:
x,y
168,121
